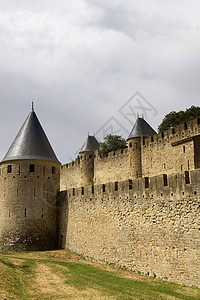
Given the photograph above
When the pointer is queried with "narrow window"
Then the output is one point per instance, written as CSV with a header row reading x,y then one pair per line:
x,y
31,168
73,191
9,213
103,188
34,193
25,213
53,170
162,135
92,189
130,184
164,165
116,185
130,145
9,169
181,167
146,182
17,193
183,149
42,214
165,182
19,170
43,170
187,177
82,190
152,139
188,164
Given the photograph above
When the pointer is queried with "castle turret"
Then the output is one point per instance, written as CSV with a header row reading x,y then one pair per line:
x,y
30,181
140,129
87,160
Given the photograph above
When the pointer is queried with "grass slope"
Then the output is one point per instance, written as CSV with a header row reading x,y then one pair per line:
x,y
64,275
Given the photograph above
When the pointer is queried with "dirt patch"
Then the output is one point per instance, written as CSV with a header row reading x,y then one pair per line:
x,y
53,285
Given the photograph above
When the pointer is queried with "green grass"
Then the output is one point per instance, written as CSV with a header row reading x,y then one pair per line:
x,y
84,276
14,280
17,275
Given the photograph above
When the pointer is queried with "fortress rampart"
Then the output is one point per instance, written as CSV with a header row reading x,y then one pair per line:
x,y
149,225
171,151
137,207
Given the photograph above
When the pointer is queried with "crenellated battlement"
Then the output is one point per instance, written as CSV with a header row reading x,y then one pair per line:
x,y
168,152
178,133
149,225
183,184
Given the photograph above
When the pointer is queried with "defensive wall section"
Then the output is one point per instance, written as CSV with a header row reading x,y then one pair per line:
x,y
171,151
148,225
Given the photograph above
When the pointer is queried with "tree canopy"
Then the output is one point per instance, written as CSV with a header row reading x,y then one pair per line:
x,y
176,118
112,143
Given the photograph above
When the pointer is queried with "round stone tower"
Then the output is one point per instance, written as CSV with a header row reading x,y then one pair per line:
x,y
140,129
87,160
30,182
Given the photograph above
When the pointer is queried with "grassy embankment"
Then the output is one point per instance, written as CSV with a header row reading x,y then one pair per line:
x,y
64,275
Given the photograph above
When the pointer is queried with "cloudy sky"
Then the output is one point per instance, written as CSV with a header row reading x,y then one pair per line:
x,y
92,65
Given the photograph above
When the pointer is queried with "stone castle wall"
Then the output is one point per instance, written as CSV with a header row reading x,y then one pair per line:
x,y
172,151
169,152
70,175
28,204
113,167
150,225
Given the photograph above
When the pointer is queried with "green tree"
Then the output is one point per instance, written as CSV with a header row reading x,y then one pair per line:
x,y
112,143
176,118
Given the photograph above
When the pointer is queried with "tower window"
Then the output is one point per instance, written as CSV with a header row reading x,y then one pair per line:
x,y
130,145
25,213
82,190
130,184
34,193
31,168
183,149
116,185
9,169
19,170
53,170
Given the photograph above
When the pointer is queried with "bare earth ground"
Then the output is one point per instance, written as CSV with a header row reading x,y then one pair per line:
x,y
50,282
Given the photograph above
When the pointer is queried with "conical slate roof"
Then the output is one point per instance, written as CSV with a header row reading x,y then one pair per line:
x,y
31,142
141,128
91,144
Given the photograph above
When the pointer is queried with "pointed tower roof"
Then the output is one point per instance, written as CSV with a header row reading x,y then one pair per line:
x,y
141,128
91,144
31,142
